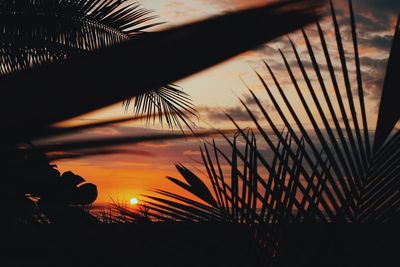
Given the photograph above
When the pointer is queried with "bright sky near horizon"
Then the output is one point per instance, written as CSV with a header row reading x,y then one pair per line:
x,y
122,176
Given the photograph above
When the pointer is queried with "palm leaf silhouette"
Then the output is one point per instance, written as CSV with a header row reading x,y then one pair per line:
x,y
389,110
169,54
40,32
326,173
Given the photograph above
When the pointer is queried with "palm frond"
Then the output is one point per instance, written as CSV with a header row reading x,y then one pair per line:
x,y
323,173
39,32
36,32
359,148
389,111
360,83
112,67
167,103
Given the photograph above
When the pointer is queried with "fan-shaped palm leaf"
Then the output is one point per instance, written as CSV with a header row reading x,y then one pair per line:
x,y
325,173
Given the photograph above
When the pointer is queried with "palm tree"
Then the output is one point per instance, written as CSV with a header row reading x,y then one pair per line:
x,y
328,173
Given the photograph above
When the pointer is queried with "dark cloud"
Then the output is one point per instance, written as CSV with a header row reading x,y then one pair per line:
x,y
380,5
101,132
373,63
379,42
368,23
373,75
237,113
251,103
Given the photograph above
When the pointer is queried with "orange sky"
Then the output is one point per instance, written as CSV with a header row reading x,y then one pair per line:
x,y
122,176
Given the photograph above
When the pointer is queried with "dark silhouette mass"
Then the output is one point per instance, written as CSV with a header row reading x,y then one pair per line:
x,y
328,196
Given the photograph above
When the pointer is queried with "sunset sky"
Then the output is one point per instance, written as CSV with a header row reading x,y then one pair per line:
x,y
144,166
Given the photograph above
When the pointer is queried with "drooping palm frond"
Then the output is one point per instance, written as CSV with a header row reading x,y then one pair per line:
x,y
98,71
327,172
35,32
169,100
39,32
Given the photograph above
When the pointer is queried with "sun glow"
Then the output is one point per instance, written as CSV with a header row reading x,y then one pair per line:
x,y
134,201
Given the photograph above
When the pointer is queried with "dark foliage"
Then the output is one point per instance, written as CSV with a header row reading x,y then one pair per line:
x,y
41,32
34,191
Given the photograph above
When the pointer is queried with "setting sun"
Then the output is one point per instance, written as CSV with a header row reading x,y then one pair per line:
x,y
134,201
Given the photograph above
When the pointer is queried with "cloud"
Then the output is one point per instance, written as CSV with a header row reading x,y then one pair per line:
x,y
238,113
234,4
376,16
380,5
373,75
379,42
